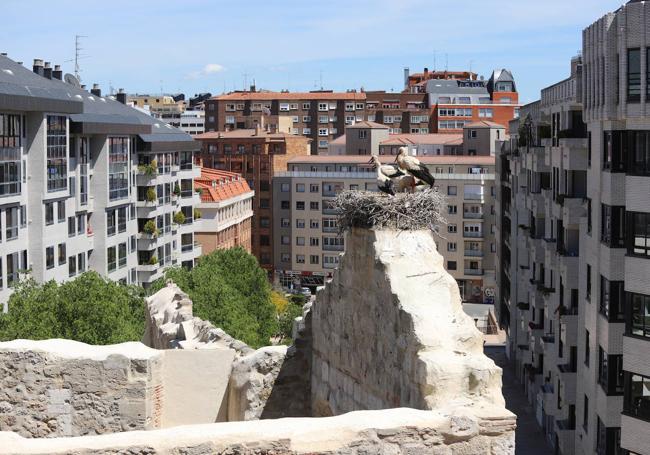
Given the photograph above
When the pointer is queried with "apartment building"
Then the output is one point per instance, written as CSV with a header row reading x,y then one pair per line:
x,y
400,112
423,144
306,238
72,191
320,115
166,107
226,210
457,102
256,154
192,121
416,82
541,203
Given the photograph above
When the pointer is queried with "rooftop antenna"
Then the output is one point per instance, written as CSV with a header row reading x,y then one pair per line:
x,y
161,87
446,62
321,79
434,60
245,76
77,55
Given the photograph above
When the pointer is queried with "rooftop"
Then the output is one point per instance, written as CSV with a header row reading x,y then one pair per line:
x,y
367,124
269,96
245,134
483,124
421,139
217,185
363,159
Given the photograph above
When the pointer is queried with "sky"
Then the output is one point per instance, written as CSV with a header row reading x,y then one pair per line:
x,y
193,46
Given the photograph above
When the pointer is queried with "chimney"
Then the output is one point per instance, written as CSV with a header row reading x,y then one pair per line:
x,y
47,70
57,73
406,77
261,124
253,88
38,66
121,96
96,90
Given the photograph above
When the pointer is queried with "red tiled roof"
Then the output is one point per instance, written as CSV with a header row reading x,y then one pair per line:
x,y
362,159
244,134
217,185
269,96
366,124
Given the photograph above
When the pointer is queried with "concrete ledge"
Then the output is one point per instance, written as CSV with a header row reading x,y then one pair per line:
x,y
401,430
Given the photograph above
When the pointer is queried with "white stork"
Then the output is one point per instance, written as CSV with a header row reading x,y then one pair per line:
x,y
413,167
385,175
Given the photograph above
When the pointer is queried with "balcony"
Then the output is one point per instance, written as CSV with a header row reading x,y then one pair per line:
x,y
474,272
473,197
331,230
473,235
473,216
333,247
474,253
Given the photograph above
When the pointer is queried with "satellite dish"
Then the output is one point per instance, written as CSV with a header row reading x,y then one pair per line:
x,y
70,79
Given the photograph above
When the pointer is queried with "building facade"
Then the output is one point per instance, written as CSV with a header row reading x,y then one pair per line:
x,y
306,238
256,154
541,202
226,210
73,195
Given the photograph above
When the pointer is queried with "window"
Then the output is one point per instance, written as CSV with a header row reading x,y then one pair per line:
x,y
300,187
300,241
62,254
637,396
323,144
57,153
323,107
314,205
265,240
637,319
306,106
300,205
284,205
60,211
285,240
360,106
11,222
110,222
111,260
451,265
118,168
121,219
314,188
363,134
608,440
588,291
471,134
613,226
285,222
300,224
49,213
610,372
638,241
314,241
72,266
452,190
585,414
452,228
587,349
452,209
285,257
451,246
322,131
314,259
485,112
49,257
634,75
81,224
265,222
72,226
589,216
285,187
314,224
611,299
300,258
264,203
614,151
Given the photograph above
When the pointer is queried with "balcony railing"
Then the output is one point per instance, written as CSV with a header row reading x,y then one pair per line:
x,y
475,235
473,197
472,215
474,253
10,189
330,229
474,272
333,247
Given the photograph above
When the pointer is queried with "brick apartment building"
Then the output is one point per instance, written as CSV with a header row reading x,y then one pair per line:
x,y
319,115
256,154
226,210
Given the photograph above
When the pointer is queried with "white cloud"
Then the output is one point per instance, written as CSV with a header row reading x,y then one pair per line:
x,y
210,68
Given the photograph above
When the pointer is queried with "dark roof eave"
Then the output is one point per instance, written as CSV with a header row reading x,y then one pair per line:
x,y
33,103
108,128
159,143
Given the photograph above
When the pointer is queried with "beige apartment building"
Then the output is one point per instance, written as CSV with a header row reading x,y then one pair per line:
x,y
307,244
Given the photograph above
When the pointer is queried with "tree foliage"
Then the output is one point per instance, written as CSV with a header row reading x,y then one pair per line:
x,y
229,289
89,309
291,311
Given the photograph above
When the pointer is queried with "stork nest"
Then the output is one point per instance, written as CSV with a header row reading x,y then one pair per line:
x,y
404,211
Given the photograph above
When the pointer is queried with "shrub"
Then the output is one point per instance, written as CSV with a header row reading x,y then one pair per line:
x,y
179,218
151,194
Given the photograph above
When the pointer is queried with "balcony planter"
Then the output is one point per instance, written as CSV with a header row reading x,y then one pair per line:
x,y
150,229
153,260
177,191
179,218
151,195
150,169
197,214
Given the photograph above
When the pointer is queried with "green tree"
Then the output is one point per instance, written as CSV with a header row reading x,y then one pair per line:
x,y
229,289
89,309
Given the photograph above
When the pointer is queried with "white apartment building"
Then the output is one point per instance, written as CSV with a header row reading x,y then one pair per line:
x,y
73,189
307,244
542,175
602,394
190,121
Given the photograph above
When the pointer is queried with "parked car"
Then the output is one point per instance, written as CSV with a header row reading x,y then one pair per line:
x,y
305,291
